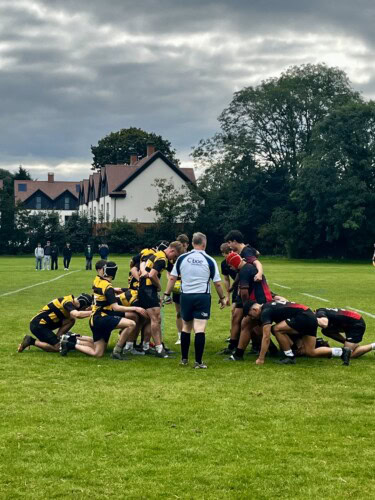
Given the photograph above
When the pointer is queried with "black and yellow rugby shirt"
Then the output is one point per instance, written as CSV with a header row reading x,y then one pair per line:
x,y
159,261
142,256
55,312
104,297
128,297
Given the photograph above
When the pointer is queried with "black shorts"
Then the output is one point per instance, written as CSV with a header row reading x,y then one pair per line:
x,y
353,334
234,295
43,332
148,297
176,298
195,306
304,323
238,301
102,326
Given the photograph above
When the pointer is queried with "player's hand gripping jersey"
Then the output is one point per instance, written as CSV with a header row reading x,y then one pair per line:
x,y
136,262
275,312
159,262
55,312
258,290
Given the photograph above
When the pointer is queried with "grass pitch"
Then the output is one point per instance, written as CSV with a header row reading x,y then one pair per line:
x,y
97,429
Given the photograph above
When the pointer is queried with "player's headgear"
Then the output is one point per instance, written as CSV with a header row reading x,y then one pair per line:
x,y
110,269
234,259
247,306
162,245
85,300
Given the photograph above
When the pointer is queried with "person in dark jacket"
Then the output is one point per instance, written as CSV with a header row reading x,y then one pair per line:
x,y
89,255
67,254
104,251
54,257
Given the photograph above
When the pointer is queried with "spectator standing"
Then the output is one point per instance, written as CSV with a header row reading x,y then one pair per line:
x,y
89,255
39,254
67,254
104,251
54,257
47,256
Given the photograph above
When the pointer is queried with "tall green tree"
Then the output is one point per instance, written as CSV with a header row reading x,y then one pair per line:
x,y
117,147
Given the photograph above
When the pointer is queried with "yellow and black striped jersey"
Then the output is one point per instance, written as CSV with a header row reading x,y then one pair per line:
x,y
142,256
128,297
55,312
104,296
159,262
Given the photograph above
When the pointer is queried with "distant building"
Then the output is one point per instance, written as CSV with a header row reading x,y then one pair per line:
x,y
50,195
127,190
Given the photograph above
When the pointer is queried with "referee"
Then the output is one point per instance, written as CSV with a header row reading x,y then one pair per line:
x,y
196,269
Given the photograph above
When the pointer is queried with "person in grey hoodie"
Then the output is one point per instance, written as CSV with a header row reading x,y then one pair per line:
x,y
39,254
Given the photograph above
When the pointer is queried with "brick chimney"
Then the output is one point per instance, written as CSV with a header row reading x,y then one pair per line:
x,y
133,158
150,149
51,177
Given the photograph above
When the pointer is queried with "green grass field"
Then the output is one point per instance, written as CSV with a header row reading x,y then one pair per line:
x,y
98,429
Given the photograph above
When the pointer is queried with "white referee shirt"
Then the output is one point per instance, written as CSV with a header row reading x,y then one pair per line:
x,y
196,269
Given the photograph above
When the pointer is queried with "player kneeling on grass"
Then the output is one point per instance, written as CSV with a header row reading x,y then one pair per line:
x,y
107,315
60,314
290,319
334,321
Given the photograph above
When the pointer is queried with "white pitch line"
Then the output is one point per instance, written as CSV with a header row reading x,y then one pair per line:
x,y
314,297
37,284
363,312
282,286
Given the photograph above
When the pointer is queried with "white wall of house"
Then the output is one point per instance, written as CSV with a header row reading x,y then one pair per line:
x,y
140,193
62,213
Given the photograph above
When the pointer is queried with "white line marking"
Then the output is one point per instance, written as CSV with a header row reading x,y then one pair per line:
x,y
37,284
363,312
282,286
314,297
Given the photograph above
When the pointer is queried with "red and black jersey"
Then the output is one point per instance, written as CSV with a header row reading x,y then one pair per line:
x,y
258,290
248,254
275,312
226,270
338,319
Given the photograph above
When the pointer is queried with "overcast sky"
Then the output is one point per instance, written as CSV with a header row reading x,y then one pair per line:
x,y
73,71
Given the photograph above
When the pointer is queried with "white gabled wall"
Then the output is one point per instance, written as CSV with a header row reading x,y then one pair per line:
x,y
140,193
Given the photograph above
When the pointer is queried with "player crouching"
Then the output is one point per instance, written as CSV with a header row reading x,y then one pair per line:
x,y
286,320
60,314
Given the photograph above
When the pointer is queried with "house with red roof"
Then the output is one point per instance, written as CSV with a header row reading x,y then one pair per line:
x,y
119,191
59,196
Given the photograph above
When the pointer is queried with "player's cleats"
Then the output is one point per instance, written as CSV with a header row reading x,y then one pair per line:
x,y
119,357
233,357
163,354
345,356
64,345
227,351
178,342
198,366
133,352
150,352
184,362
27,341
287,360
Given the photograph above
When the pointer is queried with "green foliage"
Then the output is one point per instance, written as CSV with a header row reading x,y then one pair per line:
x,y
122,237
117,147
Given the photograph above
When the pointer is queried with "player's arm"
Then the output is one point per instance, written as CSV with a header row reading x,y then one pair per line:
x,y
153,275
171,282
266,338
219,291
259,274
74,314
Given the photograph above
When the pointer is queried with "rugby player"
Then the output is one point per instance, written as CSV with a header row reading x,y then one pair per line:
x,y
196,269
60,314
149,287
107,315
235,240
334,321
288,320
184,240
248,290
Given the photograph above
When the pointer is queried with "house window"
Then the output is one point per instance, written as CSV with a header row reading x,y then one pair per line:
x,y
38,202
66,205
22,187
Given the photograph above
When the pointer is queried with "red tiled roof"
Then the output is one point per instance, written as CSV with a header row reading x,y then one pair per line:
x,y
117,174
51,189
189,172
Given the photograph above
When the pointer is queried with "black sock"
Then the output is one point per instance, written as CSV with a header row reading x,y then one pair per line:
x,y
72,339
239,353
185,345
32,341
199,341
233,343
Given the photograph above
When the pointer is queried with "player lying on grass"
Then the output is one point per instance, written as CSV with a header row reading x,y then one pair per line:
x,y
59,314
107,315
335,321
285,321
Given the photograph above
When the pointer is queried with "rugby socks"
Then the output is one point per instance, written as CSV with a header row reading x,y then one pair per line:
x,y
336,352
289,353
159,348
117,349
199,341
239,353
32,341
373,346
146,346
129,346
233,343
185,345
